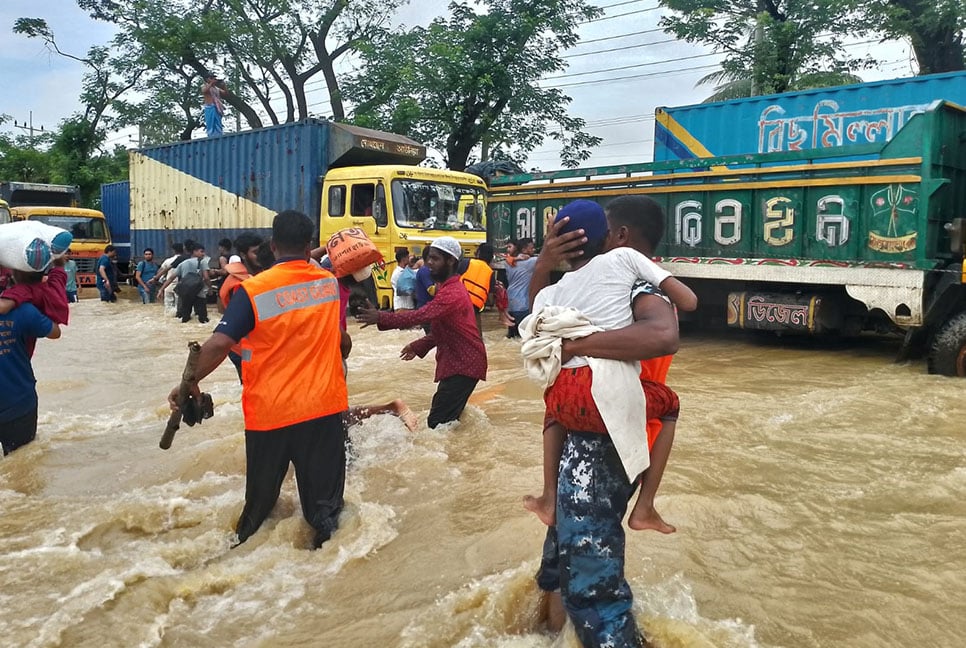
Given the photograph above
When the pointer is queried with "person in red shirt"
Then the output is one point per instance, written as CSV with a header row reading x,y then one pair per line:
x,y
48,293
460,354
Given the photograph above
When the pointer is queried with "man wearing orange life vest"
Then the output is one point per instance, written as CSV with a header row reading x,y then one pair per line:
x,y
477,275
287,321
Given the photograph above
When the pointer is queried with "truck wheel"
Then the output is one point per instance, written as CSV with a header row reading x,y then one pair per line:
x,y
947,356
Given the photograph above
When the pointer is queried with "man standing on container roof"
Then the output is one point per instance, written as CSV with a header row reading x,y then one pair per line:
x,y
211,92
460,354
294,391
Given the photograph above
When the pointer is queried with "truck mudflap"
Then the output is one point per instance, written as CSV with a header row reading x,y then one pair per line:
x,y
761,311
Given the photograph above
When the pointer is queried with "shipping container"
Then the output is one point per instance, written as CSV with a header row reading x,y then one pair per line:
x,y
38,194
806,241
116,206
865,113
213,188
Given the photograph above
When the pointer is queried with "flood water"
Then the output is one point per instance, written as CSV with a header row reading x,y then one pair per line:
x,y
819,494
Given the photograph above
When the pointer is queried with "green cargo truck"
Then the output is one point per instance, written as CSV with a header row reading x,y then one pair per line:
x,y
826,241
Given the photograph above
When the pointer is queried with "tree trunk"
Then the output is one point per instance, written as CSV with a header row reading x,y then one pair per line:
x,y
939,45
939,50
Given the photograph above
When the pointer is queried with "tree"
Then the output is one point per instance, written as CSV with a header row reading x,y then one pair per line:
x,y
267,50
770,46
473,80
108,76
934,27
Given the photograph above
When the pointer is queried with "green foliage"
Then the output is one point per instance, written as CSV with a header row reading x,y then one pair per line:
x,y
473,79
934,27
770,46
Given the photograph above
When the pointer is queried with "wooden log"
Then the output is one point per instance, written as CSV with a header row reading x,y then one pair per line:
x,y
184,391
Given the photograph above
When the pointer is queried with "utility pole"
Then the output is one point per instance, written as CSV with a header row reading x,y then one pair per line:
x,y
759,37
29,127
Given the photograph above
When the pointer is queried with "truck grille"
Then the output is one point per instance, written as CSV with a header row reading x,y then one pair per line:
x,y
85,265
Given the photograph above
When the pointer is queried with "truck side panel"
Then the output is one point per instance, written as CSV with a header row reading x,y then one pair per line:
x,y
215,188
869,231
116,206
821,118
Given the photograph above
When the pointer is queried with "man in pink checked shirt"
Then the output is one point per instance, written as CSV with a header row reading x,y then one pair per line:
x,y
460,354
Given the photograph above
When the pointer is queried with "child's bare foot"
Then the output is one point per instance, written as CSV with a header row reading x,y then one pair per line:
x,y
405,414
544,507
643,518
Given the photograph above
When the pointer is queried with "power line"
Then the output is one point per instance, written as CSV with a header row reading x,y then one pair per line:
x,y
628,67
684,58
626,47
629,13
639,76
619,4
607,38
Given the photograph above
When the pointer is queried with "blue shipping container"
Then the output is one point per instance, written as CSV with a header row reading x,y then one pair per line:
x,y
116,207
822,118
213,188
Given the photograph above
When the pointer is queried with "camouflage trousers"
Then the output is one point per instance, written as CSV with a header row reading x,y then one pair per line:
x,y
583,555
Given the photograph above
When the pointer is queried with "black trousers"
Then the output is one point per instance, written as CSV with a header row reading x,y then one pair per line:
x,y
18,432
317,449
450,399
199,305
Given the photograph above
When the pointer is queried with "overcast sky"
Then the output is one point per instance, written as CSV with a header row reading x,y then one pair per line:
x,y
623,68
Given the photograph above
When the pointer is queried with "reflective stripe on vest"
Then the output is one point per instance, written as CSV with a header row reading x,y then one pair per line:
x,y
477,281
292,360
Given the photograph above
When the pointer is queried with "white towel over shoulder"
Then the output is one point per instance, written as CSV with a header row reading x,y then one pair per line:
x,y
616,387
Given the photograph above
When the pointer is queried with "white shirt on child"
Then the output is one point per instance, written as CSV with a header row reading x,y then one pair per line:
x,y
603,289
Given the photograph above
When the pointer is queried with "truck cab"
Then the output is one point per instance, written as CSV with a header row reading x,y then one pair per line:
x,y
57,205
400,206
88,227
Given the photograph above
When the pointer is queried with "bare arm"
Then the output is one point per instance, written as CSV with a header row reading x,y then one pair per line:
x,y
213,353
682,296
137,277
168,282
346,345
6,305
54,331
654,333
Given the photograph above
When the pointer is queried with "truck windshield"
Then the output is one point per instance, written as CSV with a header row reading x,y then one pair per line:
x,y
425,204
84,228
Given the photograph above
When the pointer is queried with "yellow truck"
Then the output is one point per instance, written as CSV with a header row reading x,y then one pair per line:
x,y
57,205
401,206
340,175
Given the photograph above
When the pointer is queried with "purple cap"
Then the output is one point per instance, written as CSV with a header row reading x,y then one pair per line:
x,y
586,215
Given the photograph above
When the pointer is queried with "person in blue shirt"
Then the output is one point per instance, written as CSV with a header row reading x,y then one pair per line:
x,y
70,267
518,272
144,275
107,274
425,286
18,387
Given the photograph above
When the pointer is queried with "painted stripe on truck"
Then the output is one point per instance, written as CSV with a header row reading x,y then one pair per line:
x,y
539,192
165,198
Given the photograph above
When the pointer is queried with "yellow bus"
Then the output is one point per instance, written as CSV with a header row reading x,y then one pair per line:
x,y
407,207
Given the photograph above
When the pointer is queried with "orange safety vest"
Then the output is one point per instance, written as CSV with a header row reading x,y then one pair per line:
x,y
477,281
292,360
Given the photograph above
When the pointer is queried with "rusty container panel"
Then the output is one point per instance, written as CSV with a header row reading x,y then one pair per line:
x,y
214,188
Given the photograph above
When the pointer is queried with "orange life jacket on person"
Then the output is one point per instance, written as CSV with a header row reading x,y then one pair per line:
x,y
237,273
655,369
292,360
477,278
